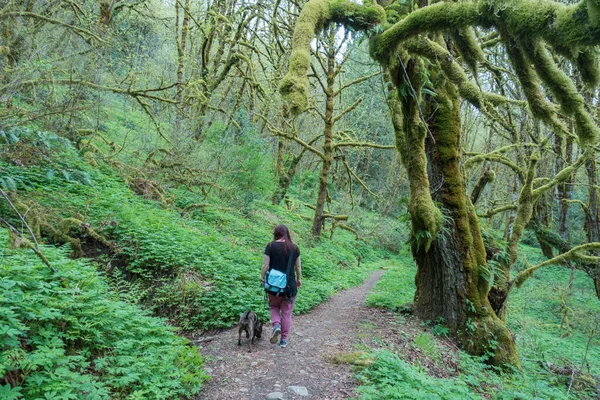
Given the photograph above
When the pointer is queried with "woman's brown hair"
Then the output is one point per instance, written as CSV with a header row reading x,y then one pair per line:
x,y
282,232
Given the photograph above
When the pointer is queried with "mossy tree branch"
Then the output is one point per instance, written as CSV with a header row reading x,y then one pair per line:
x,y
294,137
486,177
524,213
79,31
561,176
495,156
573,254
314,16
494,211
560,25
563,88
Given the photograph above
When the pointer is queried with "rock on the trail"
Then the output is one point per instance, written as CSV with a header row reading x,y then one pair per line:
x,y
301,390
276,396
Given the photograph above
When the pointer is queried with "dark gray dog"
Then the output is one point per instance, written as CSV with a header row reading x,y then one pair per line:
x,y
249,323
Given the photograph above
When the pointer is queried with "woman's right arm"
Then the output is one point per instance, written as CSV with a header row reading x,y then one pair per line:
x,y
265,266
298,272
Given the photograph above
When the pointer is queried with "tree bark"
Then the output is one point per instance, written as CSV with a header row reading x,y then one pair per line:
x,y
181,50
592,226
319,219
450,275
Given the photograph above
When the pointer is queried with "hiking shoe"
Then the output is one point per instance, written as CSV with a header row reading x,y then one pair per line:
x,y
283,343
276,334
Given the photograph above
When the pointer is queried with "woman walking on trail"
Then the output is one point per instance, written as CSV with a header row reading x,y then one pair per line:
x,y
278,254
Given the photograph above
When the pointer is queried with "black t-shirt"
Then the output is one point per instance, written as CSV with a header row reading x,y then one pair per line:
x,y
279,260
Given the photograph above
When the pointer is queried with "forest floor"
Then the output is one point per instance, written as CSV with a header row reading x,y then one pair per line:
x,y
304,369
307,369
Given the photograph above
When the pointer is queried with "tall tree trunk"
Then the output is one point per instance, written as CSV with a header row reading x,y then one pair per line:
x,y
592,223
285,171
105,12
451,267
564,190
510,215
181,49
319,219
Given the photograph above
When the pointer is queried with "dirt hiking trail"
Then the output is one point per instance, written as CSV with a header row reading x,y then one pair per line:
x,y
300,371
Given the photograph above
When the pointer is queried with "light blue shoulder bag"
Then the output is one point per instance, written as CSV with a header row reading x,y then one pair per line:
x,y
276,281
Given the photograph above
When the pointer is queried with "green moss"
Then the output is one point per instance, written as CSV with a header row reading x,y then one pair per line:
x,y
295,89
521,278
315,14
593,7
437,17
490,175
563,26
588,65
564,90
452,70
531,84
356,16
524,213
468,47
353,358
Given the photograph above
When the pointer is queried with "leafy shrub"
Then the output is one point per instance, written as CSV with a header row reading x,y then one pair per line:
x,y
439,328
205,270
396,288
66,335
389,378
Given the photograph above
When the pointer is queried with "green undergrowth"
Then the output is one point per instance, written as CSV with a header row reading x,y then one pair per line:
x,y
556,329
200,269
68,336
556,326
396,288
390,377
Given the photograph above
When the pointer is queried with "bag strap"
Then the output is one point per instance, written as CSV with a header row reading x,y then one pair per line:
x,y
289,266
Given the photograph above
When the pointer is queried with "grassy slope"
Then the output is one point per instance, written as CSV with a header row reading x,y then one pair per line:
x,y
68,335
200,269
535,316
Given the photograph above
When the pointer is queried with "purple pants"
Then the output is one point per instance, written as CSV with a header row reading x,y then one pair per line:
x,y
281,313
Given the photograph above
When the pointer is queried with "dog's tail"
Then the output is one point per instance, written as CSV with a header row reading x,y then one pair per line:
x,y
245,314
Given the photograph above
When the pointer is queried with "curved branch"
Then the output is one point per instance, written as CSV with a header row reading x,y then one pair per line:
x,y
145,93
315,14
562,26
563,88
363,144
561,176
496,157
355,82
40,17
278,132
561,258
494,211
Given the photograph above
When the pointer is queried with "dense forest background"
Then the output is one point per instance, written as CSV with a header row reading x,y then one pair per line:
x,y
148,148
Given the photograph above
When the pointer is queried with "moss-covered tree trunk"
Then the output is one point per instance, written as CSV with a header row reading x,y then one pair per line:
x,y
285,171
181,39
450,282
592,216
564,189
452,279
319,218
448,248
543,222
